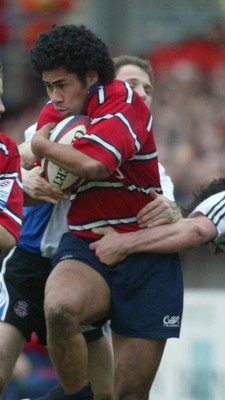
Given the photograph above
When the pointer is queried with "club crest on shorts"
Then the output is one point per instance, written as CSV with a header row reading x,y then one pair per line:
x,y
171,321
21,308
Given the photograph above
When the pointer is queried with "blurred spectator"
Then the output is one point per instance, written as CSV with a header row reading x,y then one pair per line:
x,y
189,121
189,108
205,51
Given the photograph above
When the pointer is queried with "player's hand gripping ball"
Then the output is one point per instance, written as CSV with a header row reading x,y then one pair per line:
x,y
65,132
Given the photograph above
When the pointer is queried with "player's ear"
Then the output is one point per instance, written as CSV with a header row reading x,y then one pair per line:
x,y
92,77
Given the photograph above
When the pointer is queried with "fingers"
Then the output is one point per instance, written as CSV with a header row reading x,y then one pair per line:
x,y
42,185
154,195
38,188
150,213
46,130
43,188
38,171
159,217
103,231
159,211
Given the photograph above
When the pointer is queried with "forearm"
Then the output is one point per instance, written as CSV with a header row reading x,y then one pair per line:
x,y
171,238
162,239
70,159
113,247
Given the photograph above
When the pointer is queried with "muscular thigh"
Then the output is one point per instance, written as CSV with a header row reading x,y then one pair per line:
x,y
76,284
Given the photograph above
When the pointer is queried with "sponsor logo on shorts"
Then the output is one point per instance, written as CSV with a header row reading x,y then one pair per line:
x,y
21,308
171,322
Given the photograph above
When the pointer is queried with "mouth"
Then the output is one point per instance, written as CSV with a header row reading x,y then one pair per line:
x,y
63,113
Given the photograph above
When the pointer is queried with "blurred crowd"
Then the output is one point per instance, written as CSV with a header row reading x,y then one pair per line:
x,y
189,109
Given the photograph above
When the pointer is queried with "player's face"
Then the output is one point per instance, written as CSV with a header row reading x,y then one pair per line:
x,y
66,92
2,107
138,80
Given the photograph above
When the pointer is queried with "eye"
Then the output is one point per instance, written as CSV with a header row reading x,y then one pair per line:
x,y
148,91
47,86
61,85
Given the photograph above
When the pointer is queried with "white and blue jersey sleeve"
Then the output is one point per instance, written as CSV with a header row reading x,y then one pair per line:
x,y
214,209
166,183
35,222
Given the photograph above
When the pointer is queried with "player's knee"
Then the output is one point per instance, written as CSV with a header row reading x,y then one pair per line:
x,y
61,318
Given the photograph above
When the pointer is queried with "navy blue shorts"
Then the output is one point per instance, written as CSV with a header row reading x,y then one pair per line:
x,y
146,289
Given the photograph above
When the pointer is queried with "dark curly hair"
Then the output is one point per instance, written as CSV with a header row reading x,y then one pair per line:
x,y
203,192
74,48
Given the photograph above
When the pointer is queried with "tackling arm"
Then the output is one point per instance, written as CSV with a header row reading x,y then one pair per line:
x,y
185,233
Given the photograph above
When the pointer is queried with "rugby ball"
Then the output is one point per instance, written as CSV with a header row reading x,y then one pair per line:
x,y
65,132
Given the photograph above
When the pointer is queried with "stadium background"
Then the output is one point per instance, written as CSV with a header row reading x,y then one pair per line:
x,y
193,368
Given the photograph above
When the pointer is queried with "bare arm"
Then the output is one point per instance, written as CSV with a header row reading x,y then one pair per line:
x,y
66,156
171,238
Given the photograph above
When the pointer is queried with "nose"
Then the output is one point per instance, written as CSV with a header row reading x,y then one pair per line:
x,y
56,97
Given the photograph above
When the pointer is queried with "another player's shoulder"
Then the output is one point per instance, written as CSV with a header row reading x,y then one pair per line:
x,y
48,114
8,146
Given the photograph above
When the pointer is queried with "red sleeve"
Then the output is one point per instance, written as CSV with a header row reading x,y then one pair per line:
x,y
11,194
48,114
114,137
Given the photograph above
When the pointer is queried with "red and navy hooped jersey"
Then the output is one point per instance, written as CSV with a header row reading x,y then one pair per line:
x,y
11,190
121,137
